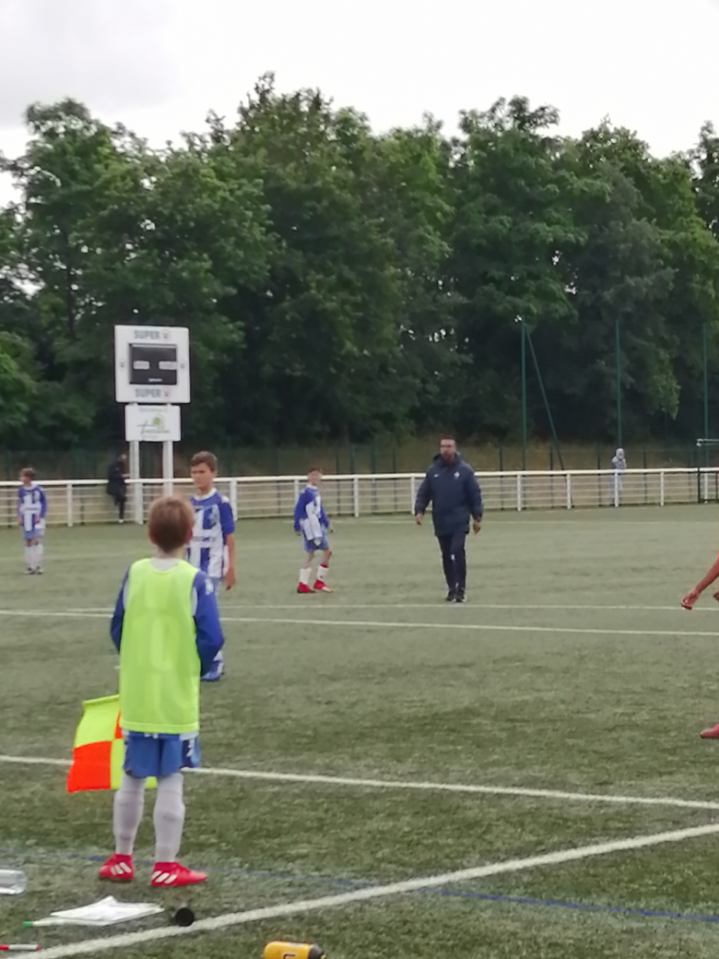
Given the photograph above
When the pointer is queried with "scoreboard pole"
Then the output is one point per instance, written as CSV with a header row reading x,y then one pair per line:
x,y
136,487
168,467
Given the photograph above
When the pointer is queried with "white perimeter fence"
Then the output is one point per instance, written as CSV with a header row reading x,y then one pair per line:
x,y
78,502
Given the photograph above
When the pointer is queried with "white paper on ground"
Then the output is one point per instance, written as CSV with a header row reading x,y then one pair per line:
x,y
105,912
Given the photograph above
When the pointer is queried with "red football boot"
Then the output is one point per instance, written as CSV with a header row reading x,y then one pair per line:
x,y
304,588
321,587
117,868
169,875
711,733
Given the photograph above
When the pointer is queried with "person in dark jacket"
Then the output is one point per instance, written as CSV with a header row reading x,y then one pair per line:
x,y
117,485
452,488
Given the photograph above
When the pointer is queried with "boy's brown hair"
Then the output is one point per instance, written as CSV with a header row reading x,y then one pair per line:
x,y
170,523
204,456
28,471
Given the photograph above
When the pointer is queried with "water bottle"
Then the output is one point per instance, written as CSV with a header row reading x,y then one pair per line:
x,y
12,882
293,950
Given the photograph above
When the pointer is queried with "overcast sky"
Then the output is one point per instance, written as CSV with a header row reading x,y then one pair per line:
x,y
159,65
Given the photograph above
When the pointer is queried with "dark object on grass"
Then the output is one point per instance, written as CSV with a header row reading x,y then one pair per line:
x,y
184,916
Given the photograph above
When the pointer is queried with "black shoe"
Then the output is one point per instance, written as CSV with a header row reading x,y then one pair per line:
x,y
459,596
451,596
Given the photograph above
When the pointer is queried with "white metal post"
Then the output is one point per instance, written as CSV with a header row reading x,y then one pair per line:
x,y
616,488
233,496
568,479
137,511
412,492
355,496
68,504
168,467
519,492
661,488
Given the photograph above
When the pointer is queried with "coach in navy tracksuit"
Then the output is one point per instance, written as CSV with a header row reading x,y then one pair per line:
x,y
452,488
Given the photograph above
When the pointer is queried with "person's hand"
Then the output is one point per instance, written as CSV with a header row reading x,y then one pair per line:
x,y
477,525
230,578
690,599
418,518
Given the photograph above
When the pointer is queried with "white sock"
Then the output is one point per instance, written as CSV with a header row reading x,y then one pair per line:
x,y
127,813
28,557
169,818
322,572
39,552
305,575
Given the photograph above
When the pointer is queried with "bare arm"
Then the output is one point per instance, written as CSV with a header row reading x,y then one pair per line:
x,y
230,578
693,595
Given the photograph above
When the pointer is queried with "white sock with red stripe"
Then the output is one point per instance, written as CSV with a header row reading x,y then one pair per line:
x,y
305,572
322,572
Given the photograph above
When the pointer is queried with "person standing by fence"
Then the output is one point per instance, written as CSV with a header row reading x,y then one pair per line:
x,y
452,488
117,485
619,465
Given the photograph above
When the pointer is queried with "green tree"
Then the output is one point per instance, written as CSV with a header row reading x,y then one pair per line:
x,y
513,224
413,200
321,352
17,387
114,233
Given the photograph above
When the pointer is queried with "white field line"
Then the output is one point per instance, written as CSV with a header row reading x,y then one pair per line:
x,y
440,604
379,624
443,605
412,785
230,919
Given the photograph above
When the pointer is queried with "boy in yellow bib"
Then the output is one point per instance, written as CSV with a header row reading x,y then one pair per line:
x,y
166,627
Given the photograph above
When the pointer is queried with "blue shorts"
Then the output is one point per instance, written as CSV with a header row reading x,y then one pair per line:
x,y
311,545
32,534
160,755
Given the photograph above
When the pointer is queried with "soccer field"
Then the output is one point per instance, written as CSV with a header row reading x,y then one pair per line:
x,y
388,775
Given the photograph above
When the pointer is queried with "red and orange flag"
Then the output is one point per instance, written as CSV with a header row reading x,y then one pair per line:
x,y
98,750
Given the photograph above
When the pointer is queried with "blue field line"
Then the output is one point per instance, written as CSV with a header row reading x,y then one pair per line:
x,y
635,912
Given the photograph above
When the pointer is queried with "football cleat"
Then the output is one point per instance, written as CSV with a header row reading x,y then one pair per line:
x,y
459,596
304,588
215,673
117,868
170,875
321,587
450,597
711,733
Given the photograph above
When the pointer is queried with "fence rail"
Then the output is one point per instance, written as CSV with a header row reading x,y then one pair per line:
x,y
81,502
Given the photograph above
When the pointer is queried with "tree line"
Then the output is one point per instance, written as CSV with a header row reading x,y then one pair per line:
x,y
341,284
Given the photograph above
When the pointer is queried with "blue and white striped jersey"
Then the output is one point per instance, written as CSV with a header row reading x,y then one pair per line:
x,y
310,516
214,522
31,508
